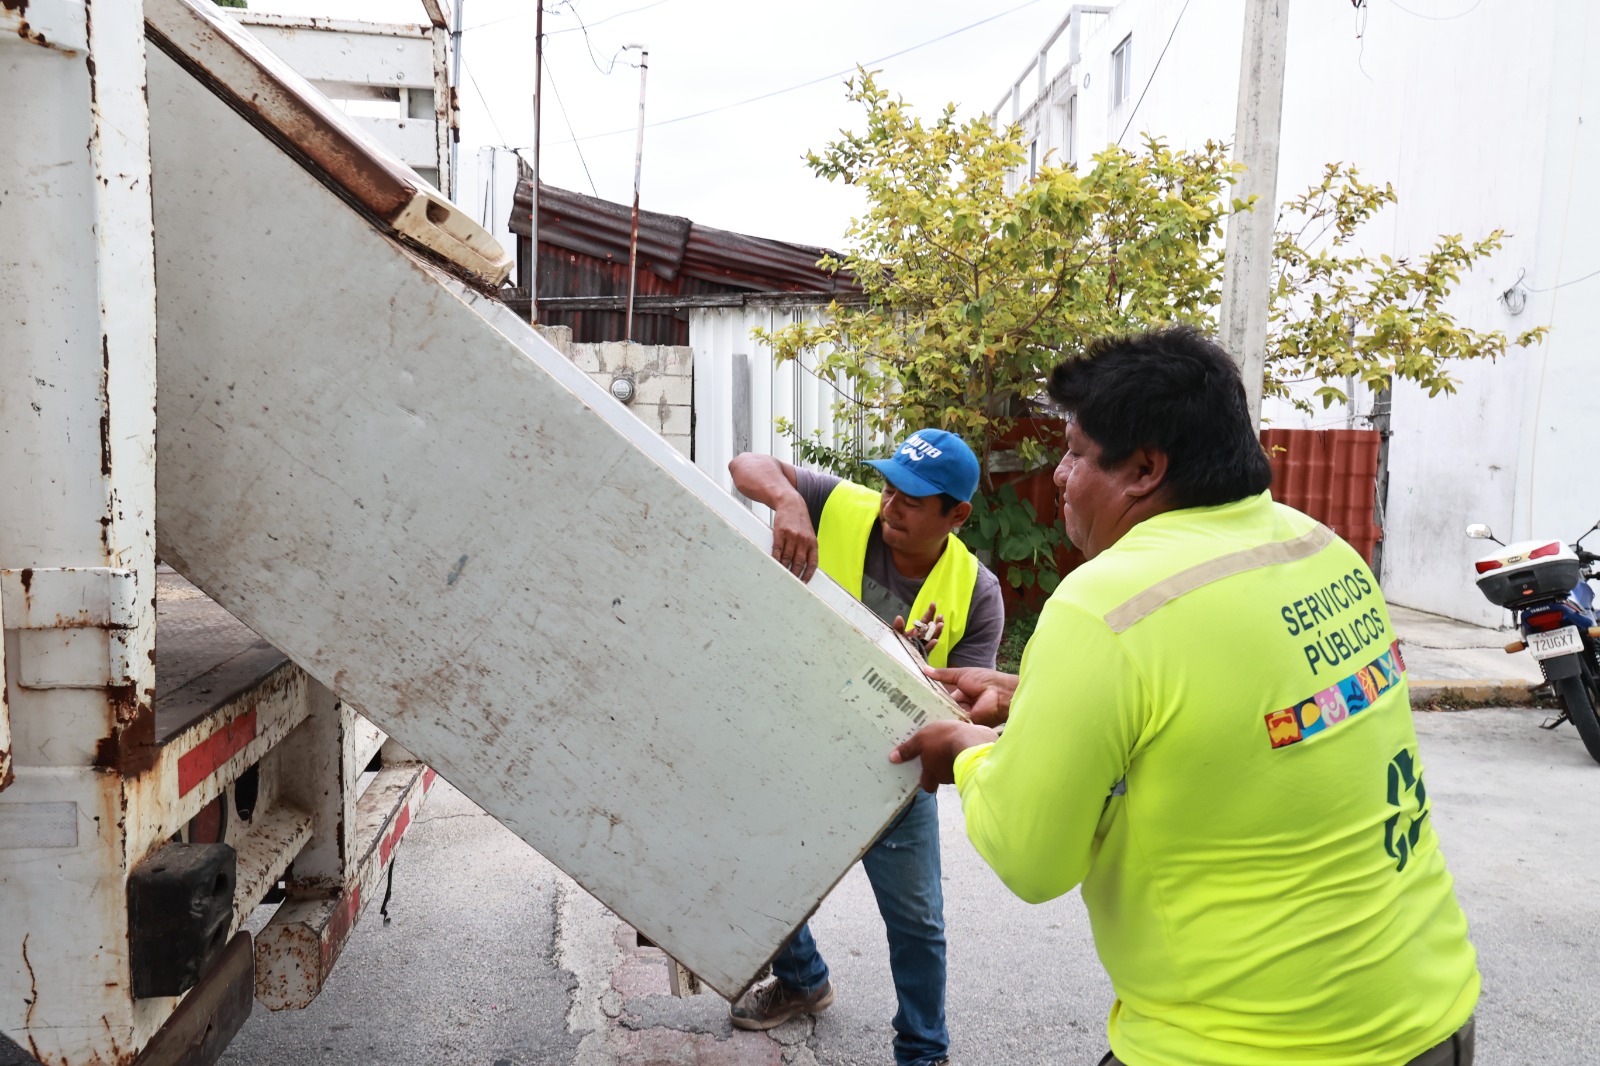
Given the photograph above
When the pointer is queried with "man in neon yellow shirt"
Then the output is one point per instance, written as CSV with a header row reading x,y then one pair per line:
x,y
896,552
1212,734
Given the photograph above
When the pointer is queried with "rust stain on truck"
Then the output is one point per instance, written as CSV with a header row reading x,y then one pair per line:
x,y
19,10
130,748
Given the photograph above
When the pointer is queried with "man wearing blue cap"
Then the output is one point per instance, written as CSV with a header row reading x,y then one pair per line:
x,y
897,552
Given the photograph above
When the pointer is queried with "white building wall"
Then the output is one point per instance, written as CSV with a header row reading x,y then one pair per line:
x,y
1475,121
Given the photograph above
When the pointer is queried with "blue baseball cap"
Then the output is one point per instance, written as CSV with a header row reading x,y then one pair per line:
x,y
929,462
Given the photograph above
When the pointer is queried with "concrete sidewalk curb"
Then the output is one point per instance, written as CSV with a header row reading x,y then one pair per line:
x,y
1459,694
1454,665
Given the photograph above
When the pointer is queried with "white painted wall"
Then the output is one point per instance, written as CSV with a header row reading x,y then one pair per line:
x,y
1476,121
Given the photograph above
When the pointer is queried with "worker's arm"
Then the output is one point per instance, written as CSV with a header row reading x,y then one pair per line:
x,y
984,694
772,482
1034,797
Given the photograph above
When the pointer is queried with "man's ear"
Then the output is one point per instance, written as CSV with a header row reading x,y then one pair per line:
x,y
1147,470
959,513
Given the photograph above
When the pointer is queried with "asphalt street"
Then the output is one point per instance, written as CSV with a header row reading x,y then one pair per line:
x,y
494,958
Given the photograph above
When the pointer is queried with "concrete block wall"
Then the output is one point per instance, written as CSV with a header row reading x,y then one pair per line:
x,y
662,376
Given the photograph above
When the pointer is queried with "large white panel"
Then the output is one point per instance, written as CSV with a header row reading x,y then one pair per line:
x,y
394,480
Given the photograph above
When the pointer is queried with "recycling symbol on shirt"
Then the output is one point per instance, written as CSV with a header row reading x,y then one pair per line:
x,y
1401,831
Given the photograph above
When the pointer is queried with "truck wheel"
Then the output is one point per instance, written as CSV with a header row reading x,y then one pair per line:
x,y
1577,697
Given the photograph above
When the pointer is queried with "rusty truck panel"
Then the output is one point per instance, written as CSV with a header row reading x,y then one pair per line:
x,y
118,766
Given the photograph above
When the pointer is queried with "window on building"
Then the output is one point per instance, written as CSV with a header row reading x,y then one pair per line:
x,y
1067,129
1033,158
1122,71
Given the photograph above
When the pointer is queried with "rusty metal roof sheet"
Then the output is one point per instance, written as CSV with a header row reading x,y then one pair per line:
x,y
671,246
599,228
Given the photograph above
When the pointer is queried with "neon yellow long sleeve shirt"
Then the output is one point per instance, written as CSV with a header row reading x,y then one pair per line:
x,y
1212,733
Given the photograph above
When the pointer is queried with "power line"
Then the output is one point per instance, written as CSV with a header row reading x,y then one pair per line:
x,y
1435,18
813,81
1153,70
1362,11
589,44
608,18
569,29
1560,284
487,110
568,119
488,189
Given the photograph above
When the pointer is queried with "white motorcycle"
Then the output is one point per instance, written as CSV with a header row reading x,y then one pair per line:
x,y
1545,585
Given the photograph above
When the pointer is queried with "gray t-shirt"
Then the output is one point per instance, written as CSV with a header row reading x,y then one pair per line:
x,y
889,593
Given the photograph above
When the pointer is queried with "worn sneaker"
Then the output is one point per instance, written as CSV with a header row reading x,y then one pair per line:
x,y
771,1003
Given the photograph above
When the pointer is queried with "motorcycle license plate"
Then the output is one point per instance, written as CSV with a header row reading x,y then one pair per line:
x,y
1563,641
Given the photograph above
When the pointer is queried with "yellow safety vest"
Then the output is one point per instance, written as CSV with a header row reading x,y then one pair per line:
x,y
847,521
1213,733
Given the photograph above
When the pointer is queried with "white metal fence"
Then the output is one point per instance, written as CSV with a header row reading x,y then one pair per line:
x,y
740,391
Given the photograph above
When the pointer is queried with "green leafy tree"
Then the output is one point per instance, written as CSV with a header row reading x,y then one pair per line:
x,y
976,284
1339,315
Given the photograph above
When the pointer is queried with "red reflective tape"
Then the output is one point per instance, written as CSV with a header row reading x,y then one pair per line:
x,y
203,760
428,778
339,926
401,821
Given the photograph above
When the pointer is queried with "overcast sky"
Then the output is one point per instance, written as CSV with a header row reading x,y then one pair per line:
x,y
740,167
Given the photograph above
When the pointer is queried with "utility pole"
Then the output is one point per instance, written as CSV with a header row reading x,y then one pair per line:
x,y
533,220
1247,261
455,93
638,159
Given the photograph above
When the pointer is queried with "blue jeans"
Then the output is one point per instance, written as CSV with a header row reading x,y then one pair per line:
x,y
903,867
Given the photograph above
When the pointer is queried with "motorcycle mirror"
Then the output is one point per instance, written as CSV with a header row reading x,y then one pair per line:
x,y
1479,531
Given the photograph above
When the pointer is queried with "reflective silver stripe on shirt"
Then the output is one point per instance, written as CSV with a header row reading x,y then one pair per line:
x,y
1163,592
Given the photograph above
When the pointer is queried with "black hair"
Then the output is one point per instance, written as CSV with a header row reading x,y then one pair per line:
x,y
1174,390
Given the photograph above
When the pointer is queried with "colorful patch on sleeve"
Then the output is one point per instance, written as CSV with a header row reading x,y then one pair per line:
x,y
1283,727
1338,702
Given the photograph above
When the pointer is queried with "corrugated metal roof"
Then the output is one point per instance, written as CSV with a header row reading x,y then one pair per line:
x,y
600,228
670,246
759,263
